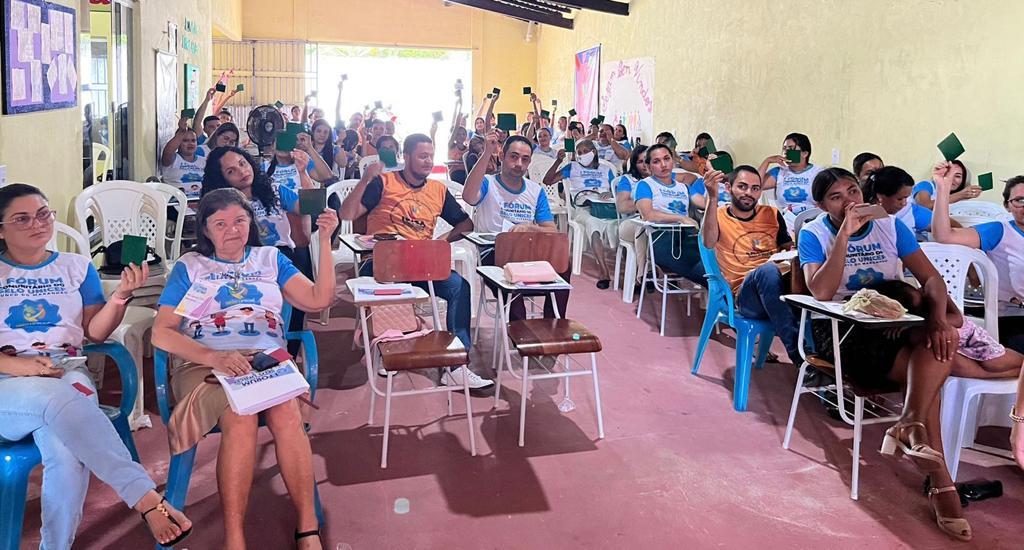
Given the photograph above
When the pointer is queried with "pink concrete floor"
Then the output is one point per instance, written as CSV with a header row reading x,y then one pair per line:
x,y
678,468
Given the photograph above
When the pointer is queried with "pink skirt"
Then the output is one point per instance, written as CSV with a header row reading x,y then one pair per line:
x,y
976,343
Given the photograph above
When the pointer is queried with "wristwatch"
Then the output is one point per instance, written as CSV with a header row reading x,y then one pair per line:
x,y
1014,416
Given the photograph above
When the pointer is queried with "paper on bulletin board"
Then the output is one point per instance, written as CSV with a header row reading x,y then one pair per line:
x,y
627,96
39,40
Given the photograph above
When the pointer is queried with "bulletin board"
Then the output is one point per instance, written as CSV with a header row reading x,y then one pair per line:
x,y
192,86
40,56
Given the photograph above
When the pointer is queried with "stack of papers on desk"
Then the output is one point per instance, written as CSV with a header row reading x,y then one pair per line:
x,y
258,391
383,292
559,284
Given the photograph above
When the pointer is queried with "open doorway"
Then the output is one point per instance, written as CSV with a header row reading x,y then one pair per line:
x,y
410,85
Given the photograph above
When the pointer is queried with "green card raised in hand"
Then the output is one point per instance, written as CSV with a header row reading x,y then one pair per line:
x,y
220,87
951,148
188,113
600,119
278,104
388,157
707,148
722,163
507,122
572,112
133,250
312,202
545,114
240,88
570,145
295,128
793,155
285,142
527,90
985,181
438,116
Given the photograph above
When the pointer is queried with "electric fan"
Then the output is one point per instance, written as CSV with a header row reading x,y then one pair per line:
x,y
263,124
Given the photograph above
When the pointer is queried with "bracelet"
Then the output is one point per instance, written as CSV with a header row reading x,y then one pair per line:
x,y
1014,416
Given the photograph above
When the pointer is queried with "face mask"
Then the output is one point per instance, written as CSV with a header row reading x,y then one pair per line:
x,y
587,158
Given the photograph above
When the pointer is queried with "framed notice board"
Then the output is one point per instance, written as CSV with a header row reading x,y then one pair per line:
x,y
40,56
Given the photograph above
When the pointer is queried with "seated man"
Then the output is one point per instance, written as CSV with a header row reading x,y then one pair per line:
x,y
744,235
508,201
407,203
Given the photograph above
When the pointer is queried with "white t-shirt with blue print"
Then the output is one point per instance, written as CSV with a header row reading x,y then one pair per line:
x,y
550,153
41,306
1003,241
674,198
272,225
793,189
500,208
286,175
625,183
580,178
724,197
246,314
871,257
187,175
916,217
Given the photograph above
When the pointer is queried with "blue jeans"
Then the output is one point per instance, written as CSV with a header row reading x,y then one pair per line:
x,y
455,291
759,299
677,252
74,438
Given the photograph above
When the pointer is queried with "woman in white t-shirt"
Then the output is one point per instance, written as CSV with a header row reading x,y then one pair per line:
x,y
247,282
791,180
180,163
52,303
587,175
924,191
543,147
844,251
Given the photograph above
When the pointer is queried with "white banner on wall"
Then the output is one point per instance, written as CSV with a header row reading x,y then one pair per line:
x,y
627,96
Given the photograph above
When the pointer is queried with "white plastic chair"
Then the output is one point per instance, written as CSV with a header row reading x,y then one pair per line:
x,y
366,161
664,283
342,255
171,249
577,242
973,212
804,217
539,166
961,396
130,333
625,250
100,161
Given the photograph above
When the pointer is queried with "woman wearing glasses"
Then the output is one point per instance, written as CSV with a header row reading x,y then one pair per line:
x,y
1003,241
51,303
791,179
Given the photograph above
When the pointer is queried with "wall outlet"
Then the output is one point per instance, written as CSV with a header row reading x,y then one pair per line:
x,y
835,157
3,175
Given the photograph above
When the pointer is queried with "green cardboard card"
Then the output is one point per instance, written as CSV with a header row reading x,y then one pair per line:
x,y
600,119
438,116
490,96
985,181
188,113
220,87
278,104
312,202
285,142
594,121
495,91
570,145
545,114
707,149
951,147
507,122
388,157
793,155
133,250
554,102
527,90
240,88
722,163
295,128
572,112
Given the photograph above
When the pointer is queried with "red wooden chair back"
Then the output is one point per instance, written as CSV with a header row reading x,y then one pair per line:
x,y
403,261
533,246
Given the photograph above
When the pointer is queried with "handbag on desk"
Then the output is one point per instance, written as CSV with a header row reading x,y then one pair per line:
x,y
530,272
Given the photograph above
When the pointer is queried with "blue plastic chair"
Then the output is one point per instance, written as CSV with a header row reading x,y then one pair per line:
x,y
19,458
722,309
180,471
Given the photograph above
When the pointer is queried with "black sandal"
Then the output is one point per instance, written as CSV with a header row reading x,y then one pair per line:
x,y
163,510
305,534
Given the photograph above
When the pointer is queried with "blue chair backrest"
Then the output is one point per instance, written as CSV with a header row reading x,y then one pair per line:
x,y
719,292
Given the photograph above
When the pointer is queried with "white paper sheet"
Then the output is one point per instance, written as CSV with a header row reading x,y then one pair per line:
x,y
69,33
56,33
25,50
17,15
18,84
33,17
37,82
62,75
44,43
51,75
72,75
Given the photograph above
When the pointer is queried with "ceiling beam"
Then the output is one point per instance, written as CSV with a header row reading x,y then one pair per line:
x,y
545,6
518,11
607,6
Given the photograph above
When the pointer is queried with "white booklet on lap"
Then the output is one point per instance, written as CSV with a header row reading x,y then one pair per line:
x,y
257,391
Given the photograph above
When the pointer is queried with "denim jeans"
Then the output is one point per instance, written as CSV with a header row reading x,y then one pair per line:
x,y
455,291
677,252
759,299
74,438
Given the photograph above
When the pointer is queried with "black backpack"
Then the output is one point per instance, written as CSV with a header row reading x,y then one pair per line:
x,y
112,258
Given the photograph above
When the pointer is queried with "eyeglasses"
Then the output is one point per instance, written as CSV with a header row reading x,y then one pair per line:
x,y
24,221
1018,202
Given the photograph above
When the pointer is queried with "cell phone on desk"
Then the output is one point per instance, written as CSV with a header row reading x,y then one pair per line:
x,y
68,363
872,211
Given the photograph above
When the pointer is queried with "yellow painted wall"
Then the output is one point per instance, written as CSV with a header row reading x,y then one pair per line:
x,y
889,77
226,19
501,57
45,149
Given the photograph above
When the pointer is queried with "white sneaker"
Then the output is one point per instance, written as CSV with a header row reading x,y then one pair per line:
x,y
476,382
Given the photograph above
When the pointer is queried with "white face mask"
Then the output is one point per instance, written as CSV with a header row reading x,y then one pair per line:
x,y
587,158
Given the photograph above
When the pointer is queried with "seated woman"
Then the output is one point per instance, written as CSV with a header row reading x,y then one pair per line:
x,y
890,187
457,147
865,163
1003,241
924,191
544,148
844,251
791,180
621,135
389,143
230,264
625,205
662,199
58,407
587,174
322,141
226,135
180,164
